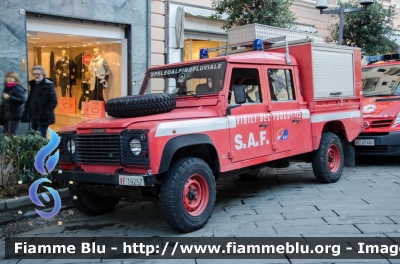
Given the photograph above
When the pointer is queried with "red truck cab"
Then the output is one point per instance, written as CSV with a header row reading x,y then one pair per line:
x,y
229,115
381,107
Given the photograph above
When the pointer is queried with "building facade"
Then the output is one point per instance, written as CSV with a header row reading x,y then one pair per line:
x,y
62,36
196,30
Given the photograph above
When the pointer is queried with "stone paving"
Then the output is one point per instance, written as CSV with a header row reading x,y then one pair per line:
x,y
277,203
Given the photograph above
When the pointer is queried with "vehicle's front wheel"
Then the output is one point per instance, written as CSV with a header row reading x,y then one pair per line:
x,y
89,203
187,195
328,159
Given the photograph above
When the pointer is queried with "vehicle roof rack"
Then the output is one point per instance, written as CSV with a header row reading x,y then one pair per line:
x,y
268,44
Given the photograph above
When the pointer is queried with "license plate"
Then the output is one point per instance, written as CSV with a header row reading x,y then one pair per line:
x,y
364,142
131,180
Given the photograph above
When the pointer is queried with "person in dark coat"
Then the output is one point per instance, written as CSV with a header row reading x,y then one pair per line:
x,y
42,100
12,104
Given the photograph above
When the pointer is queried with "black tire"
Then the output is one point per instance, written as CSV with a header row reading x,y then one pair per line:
x,y
249,174
88,203
172,200
328,159
140,105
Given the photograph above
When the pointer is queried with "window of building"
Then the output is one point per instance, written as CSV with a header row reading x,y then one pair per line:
x,y
191,50
87,62
249,78
281,85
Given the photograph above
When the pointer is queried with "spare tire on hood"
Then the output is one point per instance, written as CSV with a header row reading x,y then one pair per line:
x,y
140,105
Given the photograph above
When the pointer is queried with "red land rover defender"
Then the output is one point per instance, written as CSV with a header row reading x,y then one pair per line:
x,y
232,114
381,107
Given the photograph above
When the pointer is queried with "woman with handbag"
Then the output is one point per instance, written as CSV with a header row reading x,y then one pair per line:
x,y
13,99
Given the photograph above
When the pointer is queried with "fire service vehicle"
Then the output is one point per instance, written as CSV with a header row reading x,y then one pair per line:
x,y
257,105
381,107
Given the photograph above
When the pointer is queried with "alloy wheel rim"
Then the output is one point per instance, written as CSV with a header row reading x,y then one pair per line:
x,y
195,195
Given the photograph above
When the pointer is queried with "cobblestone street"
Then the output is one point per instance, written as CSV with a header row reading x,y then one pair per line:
x,y
277,203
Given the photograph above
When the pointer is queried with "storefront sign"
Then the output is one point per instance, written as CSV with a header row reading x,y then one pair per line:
x,y
87,58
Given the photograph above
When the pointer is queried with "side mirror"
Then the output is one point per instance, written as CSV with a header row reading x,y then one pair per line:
x,y
240,94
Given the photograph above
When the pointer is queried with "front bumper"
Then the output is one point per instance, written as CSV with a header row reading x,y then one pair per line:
x,y
386,144
100,178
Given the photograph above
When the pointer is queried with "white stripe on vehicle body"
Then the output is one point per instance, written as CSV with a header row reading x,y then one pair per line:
x,y
195,126
305,113
317,118
200,125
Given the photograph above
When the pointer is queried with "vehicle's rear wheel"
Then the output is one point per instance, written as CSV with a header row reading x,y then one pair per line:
x,y
89,203
328,159
187,195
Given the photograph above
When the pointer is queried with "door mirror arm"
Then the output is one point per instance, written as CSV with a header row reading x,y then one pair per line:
x,y
228,110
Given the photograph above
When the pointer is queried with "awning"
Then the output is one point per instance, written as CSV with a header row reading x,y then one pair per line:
x,y
180,26
305,28
193,11
183,11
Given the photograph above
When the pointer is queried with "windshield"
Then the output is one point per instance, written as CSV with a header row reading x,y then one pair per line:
x,y
189,80
381,80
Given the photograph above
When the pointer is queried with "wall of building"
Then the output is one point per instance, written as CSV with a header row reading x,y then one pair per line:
x,y
13,28
157,32
13,35
305,11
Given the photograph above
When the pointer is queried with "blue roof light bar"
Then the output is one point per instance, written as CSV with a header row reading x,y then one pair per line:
x,y
386,57
203,54
258,44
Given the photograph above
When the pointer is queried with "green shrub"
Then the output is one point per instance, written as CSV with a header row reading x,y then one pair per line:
x,y
17,160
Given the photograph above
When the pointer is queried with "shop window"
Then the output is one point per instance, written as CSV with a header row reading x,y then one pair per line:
x,y
281,85
77,65
251,82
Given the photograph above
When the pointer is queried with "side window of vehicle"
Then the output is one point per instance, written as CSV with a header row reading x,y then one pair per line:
x,y
249,78
281,85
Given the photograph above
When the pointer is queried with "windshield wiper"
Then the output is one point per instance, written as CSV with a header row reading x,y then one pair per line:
x,y
377,95
188,92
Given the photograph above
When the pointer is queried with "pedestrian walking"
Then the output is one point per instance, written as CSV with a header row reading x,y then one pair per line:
x,y
12,104
42,100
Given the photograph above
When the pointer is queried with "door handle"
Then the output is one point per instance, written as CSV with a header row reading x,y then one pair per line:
x,y
263,125
295,120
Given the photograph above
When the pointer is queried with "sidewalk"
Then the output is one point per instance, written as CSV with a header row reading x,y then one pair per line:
x,y
22,207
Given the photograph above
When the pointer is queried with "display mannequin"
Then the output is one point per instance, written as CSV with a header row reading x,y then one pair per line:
x,y
65,69
87,94
101,73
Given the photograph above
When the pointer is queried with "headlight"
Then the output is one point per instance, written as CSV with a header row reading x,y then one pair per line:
x,y
71,146
136,146
397,120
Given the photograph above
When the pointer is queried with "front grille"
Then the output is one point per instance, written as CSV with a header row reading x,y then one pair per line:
x,y
381,123
371,149
98,149
112,149
374,134
377,149
394,148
